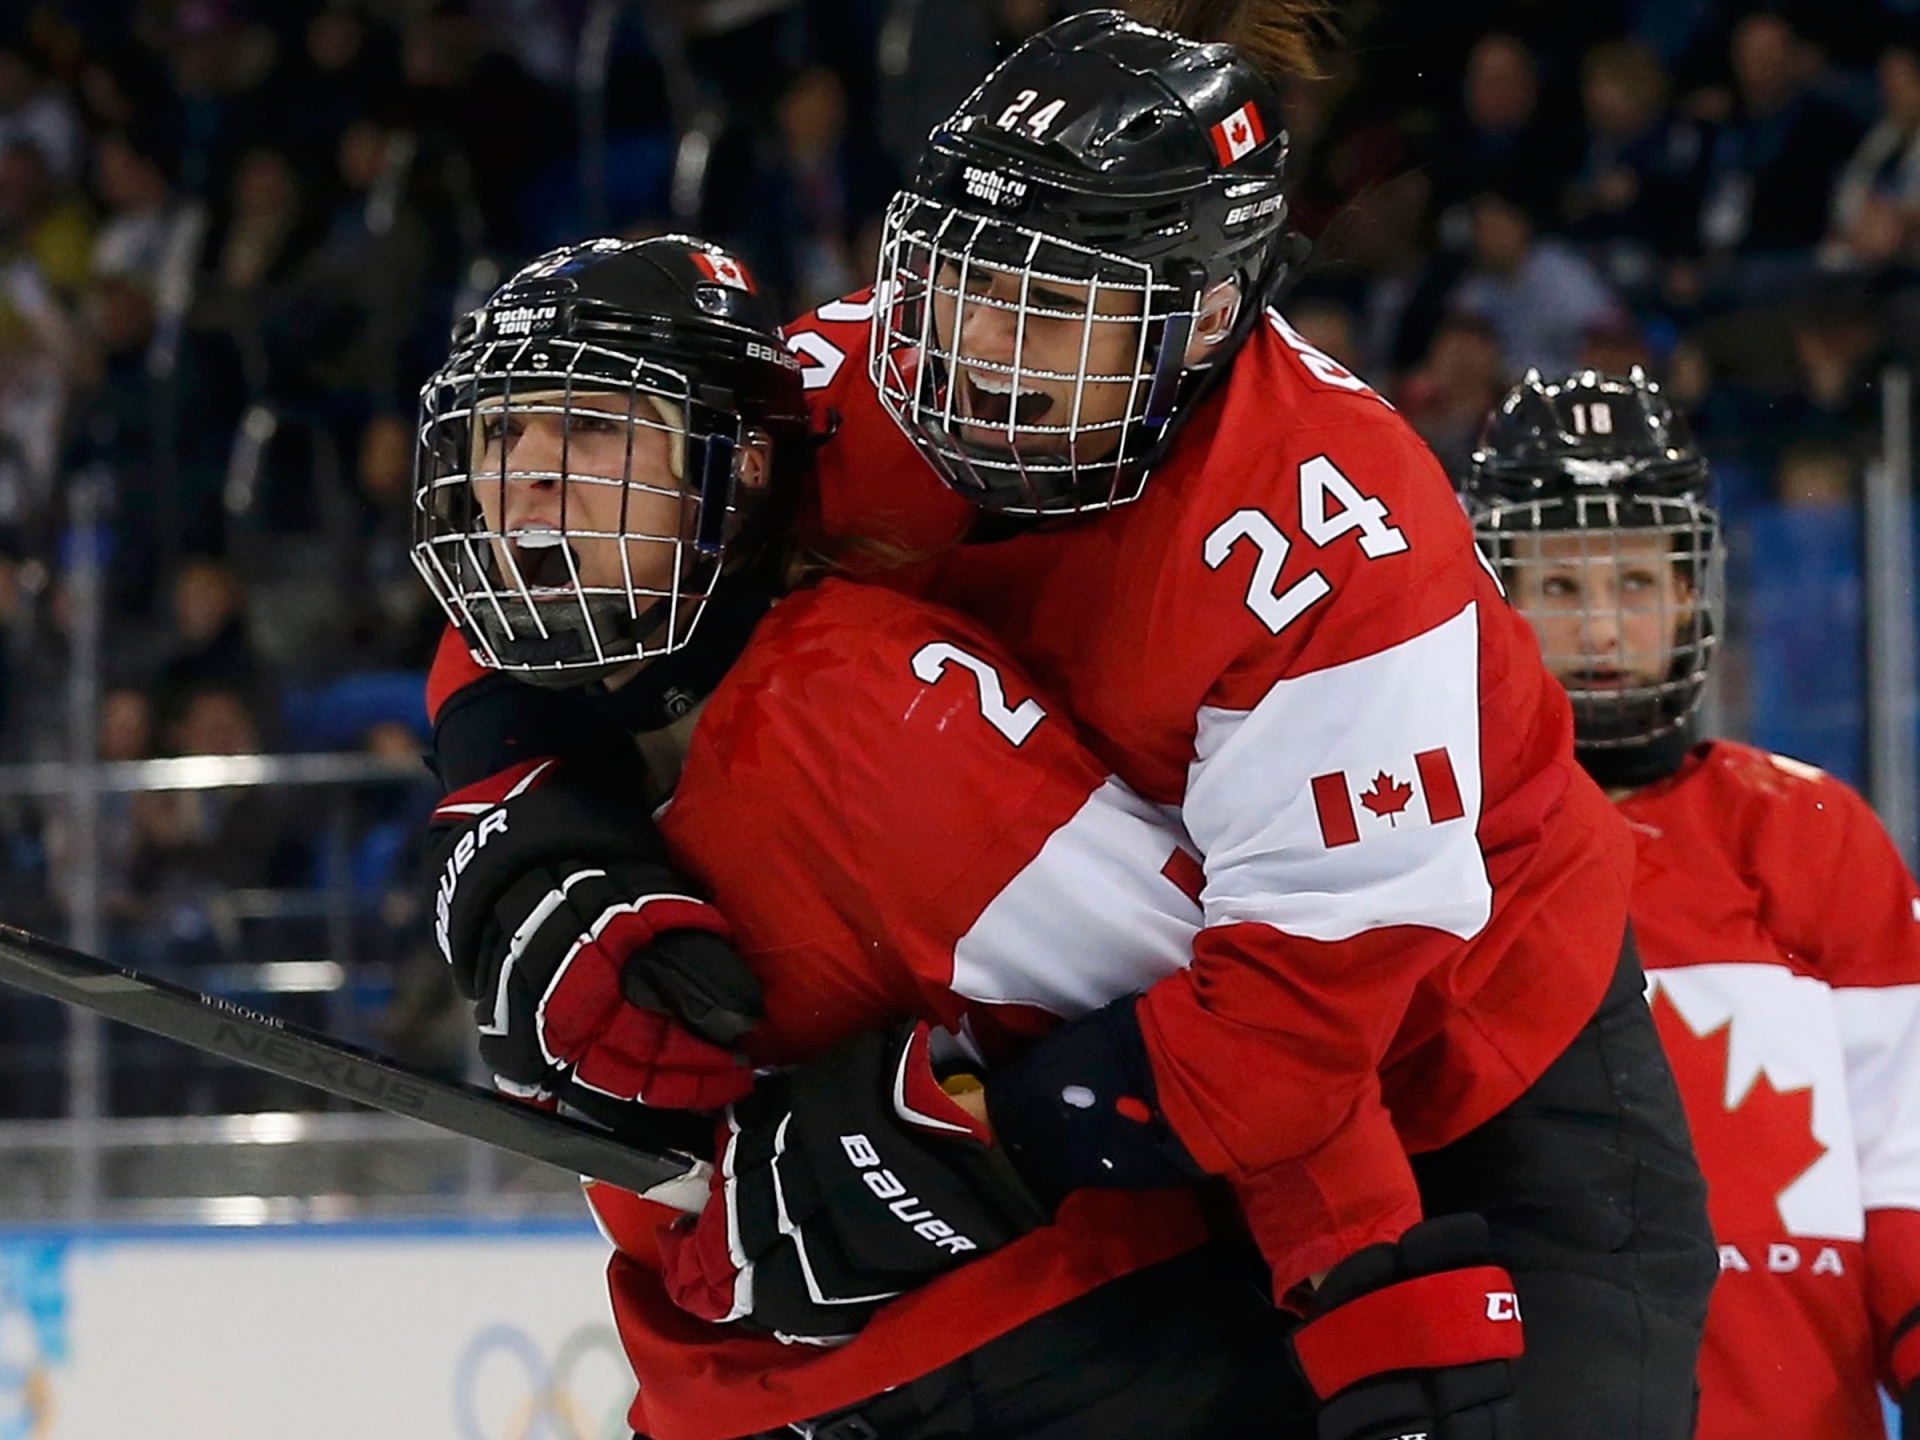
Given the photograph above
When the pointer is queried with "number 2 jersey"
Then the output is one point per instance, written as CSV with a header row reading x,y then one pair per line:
x,y
1781,936
1412,898
894,825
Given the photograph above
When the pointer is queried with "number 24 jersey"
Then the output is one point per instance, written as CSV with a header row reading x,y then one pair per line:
x,y
1412,898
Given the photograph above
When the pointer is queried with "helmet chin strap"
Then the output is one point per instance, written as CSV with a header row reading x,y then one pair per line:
x,y
668,686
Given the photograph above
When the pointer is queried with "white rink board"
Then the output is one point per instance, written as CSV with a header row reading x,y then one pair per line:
x,y
410,1331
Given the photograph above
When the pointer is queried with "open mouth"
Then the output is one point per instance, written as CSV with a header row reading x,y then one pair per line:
x,y
1603,677
543,558
992,399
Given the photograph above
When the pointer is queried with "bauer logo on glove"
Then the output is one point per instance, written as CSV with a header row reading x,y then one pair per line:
x,y
597,978
906,1208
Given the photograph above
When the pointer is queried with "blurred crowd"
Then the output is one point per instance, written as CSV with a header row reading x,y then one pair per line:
x,y
233,236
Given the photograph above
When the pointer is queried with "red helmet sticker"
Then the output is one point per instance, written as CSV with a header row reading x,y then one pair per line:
x,y
717,265
1238,133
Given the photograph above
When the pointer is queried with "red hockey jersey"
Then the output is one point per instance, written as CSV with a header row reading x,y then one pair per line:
x,y
1781,935
1412,897
895,825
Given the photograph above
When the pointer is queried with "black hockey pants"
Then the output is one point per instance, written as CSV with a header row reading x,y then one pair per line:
x,y
1596,1207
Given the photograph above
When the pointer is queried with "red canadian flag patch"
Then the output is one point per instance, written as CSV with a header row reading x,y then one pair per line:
x,y
1238,133
1386,796
717,265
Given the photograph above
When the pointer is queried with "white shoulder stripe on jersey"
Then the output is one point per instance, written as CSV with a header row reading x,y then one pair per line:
x,y
1348,799
1880,1033
1091,918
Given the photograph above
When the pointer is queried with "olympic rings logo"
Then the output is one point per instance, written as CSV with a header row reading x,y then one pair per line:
x,y
505,1388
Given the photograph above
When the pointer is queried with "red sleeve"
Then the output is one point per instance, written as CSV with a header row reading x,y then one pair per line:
x,y
1378,766
876,505
1819,830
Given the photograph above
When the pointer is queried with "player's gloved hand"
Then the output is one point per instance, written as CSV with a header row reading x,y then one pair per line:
x,y
1415,1339
598,978
839,1185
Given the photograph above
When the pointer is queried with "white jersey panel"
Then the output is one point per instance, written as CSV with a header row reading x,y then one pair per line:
x,y
1880,1030
1093,917
1787,1027
1348,799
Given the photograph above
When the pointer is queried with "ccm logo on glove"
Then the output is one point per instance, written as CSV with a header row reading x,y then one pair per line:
x,y
906,1208
1503,1305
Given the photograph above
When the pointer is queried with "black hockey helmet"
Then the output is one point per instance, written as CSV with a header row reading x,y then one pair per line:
x,y
1095,186
1595,480
590,455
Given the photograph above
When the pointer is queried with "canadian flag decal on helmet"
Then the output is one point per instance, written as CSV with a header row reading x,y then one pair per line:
x,y
1238,133
717,265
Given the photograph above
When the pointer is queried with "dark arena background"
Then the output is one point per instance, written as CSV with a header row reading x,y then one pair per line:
x,y
233,238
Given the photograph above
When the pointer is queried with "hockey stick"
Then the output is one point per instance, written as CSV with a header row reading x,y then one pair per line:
x,y
670,1172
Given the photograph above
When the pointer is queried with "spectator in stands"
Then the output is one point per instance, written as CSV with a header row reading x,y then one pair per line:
x,y
1875,223
1635,195
265,224
44,240
149,235
1613,346
220,61
1328,326
267,231
1538,294
394,624
466,95
39,114
346,65
1382,247
1770,169
159,439
208,647
338,339
801,208
1836,338
1447,399
191,844
1503,137
124,86
1814,474
41,221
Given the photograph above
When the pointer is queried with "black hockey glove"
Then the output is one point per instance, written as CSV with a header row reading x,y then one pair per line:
x,y
598,979
1415,1340
838,1186
1080,1108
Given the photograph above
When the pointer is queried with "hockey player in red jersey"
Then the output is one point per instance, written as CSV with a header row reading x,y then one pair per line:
x,y
1779,928
1252,587
894,827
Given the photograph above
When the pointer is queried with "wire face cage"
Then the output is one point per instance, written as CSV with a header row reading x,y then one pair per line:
x,y
1037,375
572,504
1622,591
